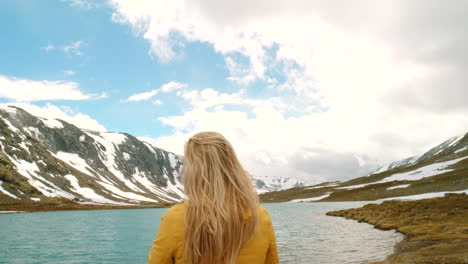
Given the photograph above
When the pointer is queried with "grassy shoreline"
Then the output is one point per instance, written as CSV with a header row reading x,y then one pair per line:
x,y
436,229
68,205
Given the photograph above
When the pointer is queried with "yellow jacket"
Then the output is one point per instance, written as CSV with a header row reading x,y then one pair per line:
x,y
167,247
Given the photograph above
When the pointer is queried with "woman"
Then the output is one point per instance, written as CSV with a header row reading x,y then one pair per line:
x,y
221,221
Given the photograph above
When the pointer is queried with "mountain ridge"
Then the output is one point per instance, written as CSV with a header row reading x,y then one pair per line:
x,y
414,159
441,169
59,159
42,158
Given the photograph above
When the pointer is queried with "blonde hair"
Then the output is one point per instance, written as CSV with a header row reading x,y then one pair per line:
x,y
221,214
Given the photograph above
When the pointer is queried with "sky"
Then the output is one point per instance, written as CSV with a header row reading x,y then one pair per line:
x,y
318,90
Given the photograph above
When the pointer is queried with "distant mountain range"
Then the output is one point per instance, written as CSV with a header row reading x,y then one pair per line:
x,y
266,184
42,158
442,169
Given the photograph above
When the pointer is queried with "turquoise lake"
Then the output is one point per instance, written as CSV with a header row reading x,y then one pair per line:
x,y
304,235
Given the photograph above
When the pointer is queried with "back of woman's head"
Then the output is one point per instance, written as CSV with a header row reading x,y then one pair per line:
x,y
221,214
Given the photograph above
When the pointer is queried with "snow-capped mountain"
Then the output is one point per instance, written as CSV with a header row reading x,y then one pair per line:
x,y
269,184
45,157
42,158
442,169
450,145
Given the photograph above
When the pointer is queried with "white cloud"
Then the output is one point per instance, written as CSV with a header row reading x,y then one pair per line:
x,y
165,88
30,90
82,3
172,86
344,49
68,72
239,72
48,48
344,144
100,96
208,97
68,115
74,48
142,96
157,102
385,80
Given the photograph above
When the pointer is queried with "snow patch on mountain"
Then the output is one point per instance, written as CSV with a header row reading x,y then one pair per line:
x,y
33,132
354,186
454,140
115,138
426,171
6,192
10,126
75,161
312,199
24,146
30,171
421,196
460,150
125,195
52,123
172,159
398,187
126,155
86,192
110,142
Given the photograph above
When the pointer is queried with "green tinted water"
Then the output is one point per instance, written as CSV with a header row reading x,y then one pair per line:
x,y
304,235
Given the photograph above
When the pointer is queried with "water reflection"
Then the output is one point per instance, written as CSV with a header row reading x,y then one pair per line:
x,y
306,235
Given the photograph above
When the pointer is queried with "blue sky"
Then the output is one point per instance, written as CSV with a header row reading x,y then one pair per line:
x,y
112,61
287,83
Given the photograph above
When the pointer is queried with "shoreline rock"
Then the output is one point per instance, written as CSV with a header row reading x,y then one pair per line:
x,y
436,229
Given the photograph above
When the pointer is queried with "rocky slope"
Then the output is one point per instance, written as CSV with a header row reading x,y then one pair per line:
x,y
443,168
43,158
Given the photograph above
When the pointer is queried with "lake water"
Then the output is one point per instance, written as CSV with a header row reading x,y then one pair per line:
x,y
304,235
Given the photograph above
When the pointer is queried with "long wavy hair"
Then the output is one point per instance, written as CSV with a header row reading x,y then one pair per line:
x,y
221,213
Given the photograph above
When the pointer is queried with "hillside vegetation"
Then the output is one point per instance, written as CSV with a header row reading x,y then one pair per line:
x,y
441,169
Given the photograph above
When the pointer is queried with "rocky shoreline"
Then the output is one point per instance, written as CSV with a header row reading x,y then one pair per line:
x,y
436,230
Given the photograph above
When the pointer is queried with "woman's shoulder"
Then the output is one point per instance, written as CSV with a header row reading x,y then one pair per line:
x,y
263,215
262,210
176,210
266,225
